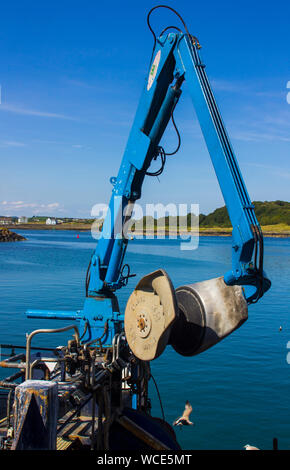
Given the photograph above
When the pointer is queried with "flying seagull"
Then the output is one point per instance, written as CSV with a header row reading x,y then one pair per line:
x,y
184,419
248,447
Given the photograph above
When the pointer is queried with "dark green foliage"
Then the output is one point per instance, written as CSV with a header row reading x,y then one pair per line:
x,y
268,213
272,213
217,218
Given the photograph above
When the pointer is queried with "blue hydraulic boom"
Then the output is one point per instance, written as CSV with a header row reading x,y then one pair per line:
x,y
175,60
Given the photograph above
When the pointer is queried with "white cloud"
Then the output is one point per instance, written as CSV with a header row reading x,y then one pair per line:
x,y
249,136
12,203
273,170
31,207
32,112
224,85
11,143
251,88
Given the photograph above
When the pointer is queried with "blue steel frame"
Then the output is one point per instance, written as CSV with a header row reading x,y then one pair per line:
x,y
179,60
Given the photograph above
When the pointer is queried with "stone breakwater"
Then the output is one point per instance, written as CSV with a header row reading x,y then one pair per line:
x,y
8,236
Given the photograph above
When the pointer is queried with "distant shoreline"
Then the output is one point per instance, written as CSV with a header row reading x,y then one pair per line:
x,y
203,232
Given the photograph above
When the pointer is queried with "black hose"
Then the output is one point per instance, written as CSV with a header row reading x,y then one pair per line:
x,y
159,397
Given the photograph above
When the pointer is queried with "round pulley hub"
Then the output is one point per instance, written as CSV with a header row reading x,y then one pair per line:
x,y
143,323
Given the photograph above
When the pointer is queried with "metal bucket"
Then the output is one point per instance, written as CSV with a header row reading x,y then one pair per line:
x,y
208,311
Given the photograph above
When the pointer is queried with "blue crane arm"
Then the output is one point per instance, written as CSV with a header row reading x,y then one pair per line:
x,y
175,59
158,99
176,56
247,238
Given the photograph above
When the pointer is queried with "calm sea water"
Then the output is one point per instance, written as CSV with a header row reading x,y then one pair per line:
x,y
240,389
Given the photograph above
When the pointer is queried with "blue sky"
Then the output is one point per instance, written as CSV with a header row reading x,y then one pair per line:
x,y
71,75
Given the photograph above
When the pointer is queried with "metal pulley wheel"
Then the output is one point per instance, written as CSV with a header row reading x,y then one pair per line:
x,y
149,314
203,314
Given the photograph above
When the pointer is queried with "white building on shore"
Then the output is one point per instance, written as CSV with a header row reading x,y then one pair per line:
x,y
50,221
22,220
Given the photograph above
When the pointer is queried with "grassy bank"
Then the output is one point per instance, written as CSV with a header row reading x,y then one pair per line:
x,y
277,230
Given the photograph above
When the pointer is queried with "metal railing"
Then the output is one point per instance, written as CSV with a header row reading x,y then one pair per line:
x,y
28,369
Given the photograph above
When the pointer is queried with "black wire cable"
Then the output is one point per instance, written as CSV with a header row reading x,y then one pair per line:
x,y
160,153
125,278
258,268
159,397
193,38
261,262
88,276
171,27
160,150
176,13
177,132
85,330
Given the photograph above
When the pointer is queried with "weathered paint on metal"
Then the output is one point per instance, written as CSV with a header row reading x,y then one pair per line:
x,y
35,415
